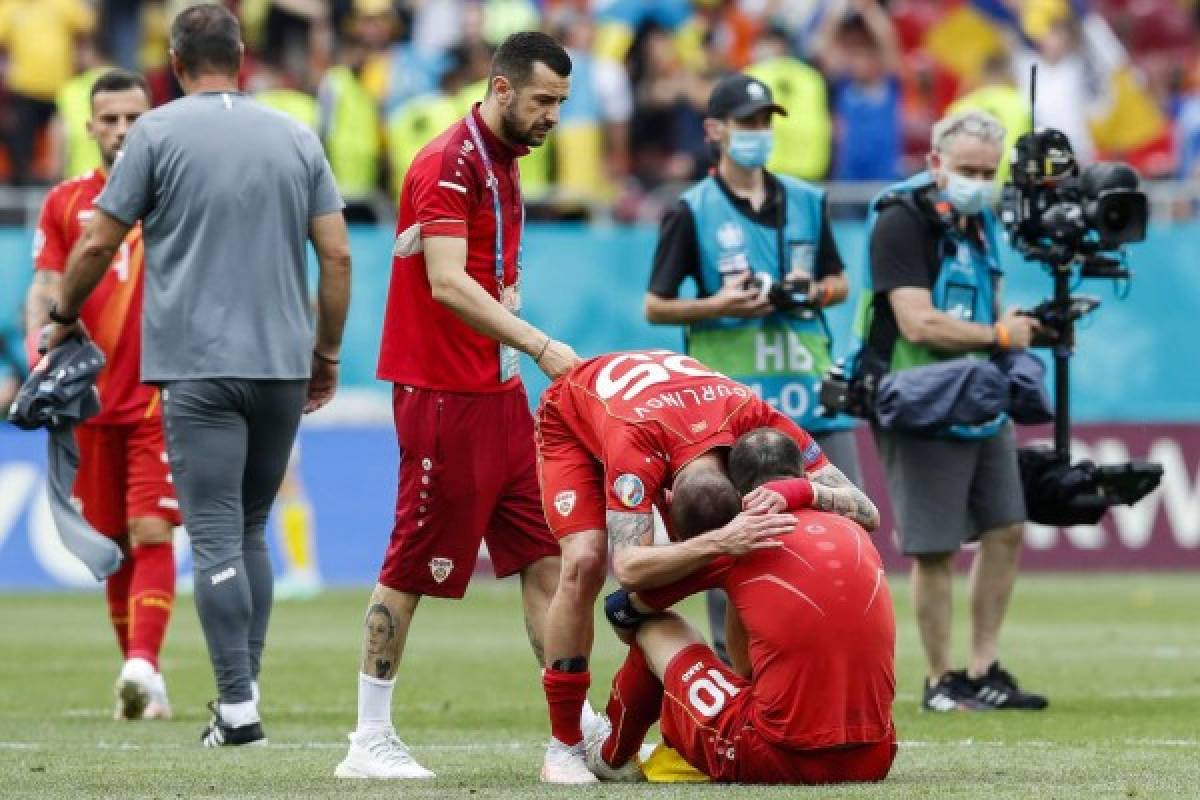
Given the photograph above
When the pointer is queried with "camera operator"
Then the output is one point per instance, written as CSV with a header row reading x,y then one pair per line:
x,y
762,255
936,278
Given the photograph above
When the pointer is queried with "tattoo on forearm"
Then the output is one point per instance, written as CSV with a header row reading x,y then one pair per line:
x,y
380,658
629,529
835,493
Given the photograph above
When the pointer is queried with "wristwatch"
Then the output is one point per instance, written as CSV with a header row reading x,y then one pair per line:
x,y
61,319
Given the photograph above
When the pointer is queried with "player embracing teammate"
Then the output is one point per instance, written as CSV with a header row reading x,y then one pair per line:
x,y
615,434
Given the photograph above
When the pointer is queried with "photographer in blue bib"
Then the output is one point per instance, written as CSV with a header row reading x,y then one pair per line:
x,y
934,297
761,253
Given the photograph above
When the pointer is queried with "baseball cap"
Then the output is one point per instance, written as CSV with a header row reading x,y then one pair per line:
x,y
739,95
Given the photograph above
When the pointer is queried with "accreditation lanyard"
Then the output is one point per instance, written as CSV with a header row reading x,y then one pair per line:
x,y
510,298
494,185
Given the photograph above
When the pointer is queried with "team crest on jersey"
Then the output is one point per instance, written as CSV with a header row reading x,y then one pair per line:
x,y
466,148
564,502
699,427
440,568
629,490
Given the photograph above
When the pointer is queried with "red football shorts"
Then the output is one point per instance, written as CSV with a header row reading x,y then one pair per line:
x,y
467,474
123,474
706,717
572,480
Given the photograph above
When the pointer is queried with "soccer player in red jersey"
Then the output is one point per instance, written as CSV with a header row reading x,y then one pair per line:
x,y
812,639
123,483
451,337
614,434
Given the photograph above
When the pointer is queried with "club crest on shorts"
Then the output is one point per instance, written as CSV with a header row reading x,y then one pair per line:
x,y
629,490
440,568
564,502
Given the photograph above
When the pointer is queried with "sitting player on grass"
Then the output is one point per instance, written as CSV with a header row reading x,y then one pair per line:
x,y
811,633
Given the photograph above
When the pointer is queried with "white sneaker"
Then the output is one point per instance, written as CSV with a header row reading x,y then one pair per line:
x,y
159,706
379,754
591,723
133,689
565,764
629,772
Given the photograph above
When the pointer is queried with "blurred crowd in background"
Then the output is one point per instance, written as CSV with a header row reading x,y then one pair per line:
x,y
863,81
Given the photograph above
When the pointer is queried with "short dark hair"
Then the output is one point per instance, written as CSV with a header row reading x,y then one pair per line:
x,y
703,501
517,54
762,455
119,80
207,39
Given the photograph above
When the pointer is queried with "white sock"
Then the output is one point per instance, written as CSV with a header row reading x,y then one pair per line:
x,y
238,714
374,703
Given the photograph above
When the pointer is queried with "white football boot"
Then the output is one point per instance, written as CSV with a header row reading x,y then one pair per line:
x,y
380,754
133,689
159,706
565,765
629,772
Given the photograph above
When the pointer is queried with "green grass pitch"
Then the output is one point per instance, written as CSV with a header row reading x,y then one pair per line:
x,y
1118,655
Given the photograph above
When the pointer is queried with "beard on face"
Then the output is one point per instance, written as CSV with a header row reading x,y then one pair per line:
x,y
529,136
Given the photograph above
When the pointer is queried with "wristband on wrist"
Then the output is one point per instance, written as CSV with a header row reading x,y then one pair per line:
x,y
62,319
797,492
1003,338
618,608
322,357
542,352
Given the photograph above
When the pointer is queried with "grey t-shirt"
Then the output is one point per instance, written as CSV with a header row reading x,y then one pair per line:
x,y
225,188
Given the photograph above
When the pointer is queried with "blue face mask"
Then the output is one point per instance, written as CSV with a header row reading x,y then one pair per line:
x,y
967,195
751,149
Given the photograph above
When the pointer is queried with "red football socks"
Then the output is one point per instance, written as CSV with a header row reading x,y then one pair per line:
x,y
116,589
633,707
565,695
151,596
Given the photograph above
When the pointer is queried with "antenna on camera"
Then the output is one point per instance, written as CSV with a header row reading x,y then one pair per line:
x,y
1033,97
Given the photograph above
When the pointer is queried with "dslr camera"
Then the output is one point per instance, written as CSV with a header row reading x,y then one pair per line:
x,y
790,296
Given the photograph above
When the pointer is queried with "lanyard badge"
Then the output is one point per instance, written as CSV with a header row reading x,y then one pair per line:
x,y
510,296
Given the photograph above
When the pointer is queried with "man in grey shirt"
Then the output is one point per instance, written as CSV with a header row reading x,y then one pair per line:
x,y
228,192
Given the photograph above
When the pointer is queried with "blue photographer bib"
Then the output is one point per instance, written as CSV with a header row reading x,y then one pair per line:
x,y
781,356
964,289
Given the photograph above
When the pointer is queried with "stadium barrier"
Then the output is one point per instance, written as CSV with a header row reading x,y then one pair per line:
x,y
1136,394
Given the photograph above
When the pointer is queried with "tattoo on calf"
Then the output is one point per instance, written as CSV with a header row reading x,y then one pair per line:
x,y
380,641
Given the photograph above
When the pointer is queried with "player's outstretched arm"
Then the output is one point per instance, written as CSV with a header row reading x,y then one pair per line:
x,y
833,491
639,565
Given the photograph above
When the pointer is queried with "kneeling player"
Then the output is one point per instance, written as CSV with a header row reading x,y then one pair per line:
x,y
810,700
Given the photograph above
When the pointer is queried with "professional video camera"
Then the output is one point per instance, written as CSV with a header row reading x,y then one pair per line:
x,y
1057,215
1075,223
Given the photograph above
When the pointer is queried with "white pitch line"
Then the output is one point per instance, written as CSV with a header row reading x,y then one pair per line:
x,y
167,746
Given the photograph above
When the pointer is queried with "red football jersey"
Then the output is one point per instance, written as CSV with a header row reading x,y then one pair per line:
x,y
113,312
445,193
821,628
646,414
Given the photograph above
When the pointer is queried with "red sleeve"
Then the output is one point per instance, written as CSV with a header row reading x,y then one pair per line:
x,y
814,457
708,577
442,188
50,245
633,474
798,492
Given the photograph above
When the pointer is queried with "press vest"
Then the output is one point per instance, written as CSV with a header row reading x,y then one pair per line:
x,y
414,125
74,104
296,104
352,138
781,356
803,138
964,289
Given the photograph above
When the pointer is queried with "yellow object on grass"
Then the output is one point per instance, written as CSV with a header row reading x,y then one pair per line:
x,y
665,765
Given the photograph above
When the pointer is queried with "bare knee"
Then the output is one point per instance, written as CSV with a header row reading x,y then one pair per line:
x,y
933,564
1009,537
542,576
149,531
583,575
